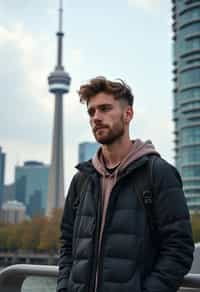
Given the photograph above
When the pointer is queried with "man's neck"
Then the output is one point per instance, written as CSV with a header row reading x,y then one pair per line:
x,y
114,154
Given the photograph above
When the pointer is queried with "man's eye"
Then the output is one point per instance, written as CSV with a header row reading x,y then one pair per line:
x,y
105,108
91,112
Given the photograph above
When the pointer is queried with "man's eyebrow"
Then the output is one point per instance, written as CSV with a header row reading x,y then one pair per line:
x,y
103,104
99,106
90,107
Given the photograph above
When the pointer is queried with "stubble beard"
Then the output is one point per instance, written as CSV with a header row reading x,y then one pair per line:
x,y
113,134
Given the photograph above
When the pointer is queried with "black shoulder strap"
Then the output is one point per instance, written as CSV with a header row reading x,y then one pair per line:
x,y
147,195
80,188
144,189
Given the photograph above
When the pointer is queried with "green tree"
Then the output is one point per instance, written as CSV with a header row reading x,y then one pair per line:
x,y
195,219
50,235
38,234
4,234
32,232
13,239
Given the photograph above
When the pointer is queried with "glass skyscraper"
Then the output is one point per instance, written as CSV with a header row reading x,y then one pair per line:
x,y
86,150
186,61
31,184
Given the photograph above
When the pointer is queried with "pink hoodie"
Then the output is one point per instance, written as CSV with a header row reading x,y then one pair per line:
x,y
108,180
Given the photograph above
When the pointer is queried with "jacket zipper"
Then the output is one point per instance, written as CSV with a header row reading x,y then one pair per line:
x,y
96,242
111,201
101,256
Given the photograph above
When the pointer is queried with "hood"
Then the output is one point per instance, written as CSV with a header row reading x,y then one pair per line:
x,y
138,150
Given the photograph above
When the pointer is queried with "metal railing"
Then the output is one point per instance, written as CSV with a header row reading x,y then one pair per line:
x,y
12,278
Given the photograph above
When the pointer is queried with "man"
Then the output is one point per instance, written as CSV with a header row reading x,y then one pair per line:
x,y
112,241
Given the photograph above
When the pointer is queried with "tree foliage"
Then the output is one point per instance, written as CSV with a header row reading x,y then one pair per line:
x,y
195,218
38,234
42,233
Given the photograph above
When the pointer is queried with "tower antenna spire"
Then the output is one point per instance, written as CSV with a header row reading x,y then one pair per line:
x,y
60,35
60,16
59,83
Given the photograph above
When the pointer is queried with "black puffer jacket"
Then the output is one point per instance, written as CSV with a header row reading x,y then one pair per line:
x,y
129,261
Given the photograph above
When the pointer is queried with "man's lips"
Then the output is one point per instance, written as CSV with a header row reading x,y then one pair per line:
x,y
99,128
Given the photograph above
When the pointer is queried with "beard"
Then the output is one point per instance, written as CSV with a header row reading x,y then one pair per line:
x,y
108,135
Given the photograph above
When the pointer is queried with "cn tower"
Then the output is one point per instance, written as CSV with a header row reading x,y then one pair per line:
x,y
59,82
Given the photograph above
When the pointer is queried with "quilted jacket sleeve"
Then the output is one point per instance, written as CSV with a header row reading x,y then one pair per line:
x,y
174,231
65,259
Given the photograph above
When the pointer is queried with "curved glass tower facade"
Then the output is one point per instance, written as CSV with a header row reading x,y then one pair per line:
x,y
186,50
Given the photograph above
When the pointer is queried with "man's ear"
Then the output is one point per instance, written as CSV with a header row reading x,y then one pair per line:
x,y
129,113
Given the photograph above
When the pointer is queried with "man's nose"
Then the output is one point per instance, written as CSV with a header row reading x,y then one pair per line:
x,y
97,116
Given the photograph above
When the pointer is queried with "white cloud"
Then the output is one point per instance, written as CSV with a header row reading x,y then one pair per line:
x,y
77,56
27,107
147,4
31,58
52,12
25,102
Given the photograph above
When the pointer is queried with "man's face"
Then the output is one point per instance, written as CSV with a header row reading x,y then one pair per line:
x,y
109,117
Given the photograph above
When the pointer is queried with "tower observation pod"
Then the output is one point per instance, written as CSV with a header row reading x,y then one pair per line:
x,y
59,83
59,80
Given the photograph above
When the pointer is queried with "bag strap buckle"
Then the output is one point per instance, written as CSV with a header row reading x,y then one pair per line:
x,y
147,197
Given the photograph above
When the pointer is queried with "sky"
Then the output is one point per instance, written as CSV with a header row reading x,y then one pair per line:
x,y
127,39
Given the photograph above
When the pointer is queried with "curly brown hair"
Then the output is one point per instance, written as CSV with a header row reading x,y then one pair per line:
x,y
119,89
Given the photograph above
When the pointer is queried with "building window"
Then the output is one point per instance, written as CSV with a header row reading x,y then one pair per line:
x,y
190,76
191,171
190,135
190,154
189,183
190,29
189,94
190,15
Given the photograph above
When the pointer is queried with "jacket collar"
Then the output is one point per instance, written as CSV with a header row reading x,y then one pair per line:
x,y
87,167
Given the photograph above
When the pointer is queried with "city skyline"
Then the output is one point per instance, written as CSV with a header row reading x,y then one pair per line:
x,y
139,52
